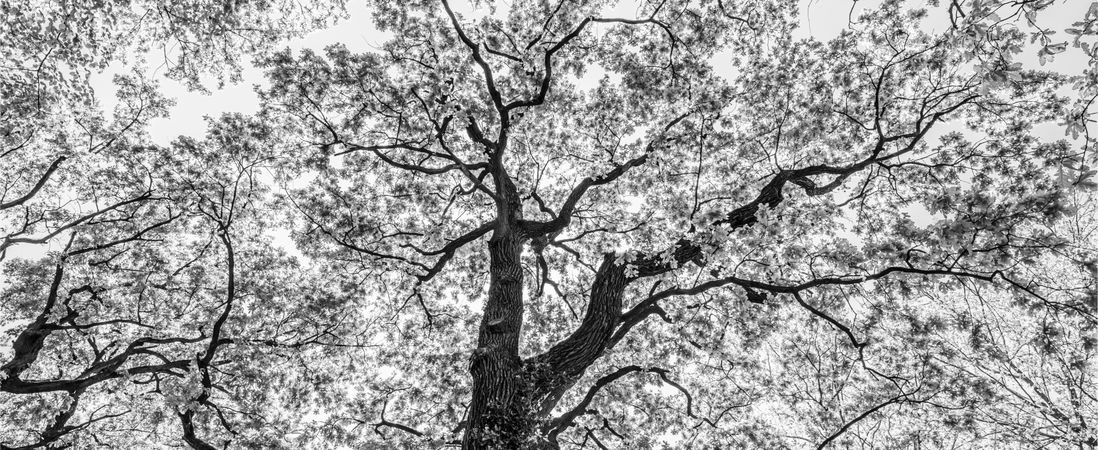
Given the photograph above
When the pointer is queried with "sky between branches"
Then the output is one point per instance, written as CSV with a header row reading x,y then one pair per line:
x,y
820,19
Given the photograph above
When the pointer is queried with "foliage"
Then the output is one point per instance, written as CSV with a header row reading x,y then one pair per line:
x,y
552,226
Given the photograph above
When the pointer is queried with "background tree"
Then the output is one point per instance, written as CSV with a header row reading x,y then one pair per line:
x,y
139,284
566,225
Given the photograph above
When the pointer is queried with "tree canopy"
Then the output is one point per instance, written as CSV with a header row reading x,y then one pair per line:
x,y
554,224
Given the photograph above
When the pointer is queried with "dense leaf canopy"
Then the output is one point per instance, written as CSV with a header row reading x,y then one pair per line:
x,y
554,224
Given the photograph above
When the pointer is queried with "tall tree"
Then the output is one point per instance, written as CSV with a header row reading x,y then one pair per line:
x,y
580,174
568,225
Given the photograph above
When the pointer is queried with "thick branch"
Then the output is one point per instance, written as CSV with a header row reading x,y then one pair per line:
x,y
559,367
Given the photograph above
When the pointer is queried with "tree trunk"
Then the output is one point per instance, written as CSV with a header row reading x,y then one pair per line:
x,y
510,396
497,415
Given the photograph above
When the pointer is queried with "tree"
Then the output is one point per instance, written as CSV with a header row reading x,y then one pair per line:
x,y
552,226
141,280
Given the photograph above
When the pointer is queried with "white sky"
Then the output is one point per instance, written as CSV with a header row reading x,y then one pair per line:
x,y
187,117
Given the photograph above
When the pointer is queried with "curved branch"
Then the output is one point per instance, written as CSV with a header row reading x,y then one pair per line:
x,y
568,419
902,398
448,250
564,216
37,186
846,330
489,78
547,78
186,419
9,241
386,423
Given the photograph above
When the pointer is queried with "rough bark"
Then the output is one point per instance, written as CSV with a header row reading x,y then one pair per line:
x,y
496,414
556,370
